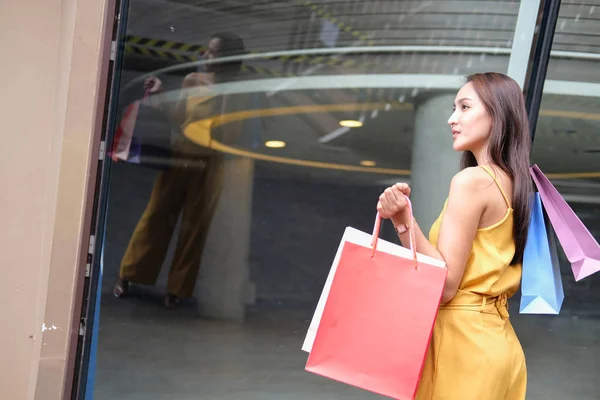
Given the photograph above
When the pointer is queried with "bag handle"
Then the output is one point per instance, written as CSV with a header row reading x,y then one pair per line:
x,y
146,97
411,231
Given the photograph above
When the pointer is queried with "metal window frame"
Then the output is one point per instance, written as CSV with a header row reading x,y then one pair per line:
x,y
87,312
539,59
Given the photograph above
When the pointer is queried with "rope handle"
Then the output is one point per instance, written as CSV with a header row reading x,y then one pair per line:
x,y
411,230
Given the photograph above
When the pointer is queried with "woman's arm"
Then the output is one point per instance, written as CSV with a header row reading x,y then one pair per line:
x,y
457,232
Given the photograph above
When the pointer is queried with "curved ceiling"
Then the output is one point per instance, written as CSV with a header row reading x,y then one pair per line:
x,y
449,38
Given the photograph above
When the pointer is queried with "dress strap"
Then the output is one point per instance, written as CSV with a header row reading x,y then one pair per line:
x,y
486,169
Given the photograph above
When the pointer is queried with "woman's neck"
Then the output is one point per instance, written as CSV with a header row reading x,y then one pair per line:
x,y
482,156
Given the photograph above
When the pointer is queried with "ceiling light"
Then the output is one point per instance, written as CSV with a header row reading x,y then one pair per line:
x,y
351,123
368,163
275,144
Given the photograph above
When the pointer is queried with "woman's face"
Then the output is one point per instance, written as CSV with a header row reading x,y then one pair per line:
x,y
471,125
213,51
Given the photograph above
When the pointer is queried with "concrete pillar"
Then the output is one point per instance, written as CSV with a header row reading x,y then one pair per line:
x,y
223,288
434,162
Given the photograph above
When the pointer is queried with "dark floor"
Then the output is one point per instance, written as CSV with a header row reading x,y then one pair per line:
x,y
148,352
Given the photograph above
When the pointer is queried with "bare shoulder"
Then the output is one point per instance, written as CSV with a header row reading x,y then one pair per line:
x,y
197,79
466,200
190,80
471,179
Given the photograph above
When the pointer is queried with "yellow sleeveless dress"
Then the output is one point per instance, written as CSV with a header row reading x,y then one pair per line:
x,y
474,353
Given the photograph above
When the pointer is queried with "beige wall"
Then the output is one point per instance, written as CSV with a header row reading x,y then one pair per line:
x,y
51,98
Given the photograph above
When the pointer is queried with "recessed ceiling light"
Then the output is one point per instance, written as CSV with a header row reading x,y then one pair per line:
x,y
351,123
275,144
368,163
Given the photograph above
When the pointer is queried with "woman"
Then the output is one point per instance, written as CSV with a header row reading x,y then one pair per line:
x,y
481,233
191,187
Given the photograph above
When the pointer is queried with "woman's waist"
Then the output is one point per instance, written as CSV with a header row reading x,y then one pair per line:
x,y
479,302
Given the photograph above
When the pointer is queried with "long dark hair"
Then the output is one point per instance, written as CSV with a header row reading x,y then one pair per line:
x,y
509,145
231,45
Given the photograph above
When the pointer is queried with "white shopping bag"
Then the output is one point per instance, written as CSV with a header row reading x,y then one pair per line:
x,y
352,235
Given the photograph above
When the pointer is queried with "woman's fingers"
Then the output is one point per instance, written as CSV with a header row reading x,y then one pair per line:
x,y
393,200
403,187
380,210
384,208
401,196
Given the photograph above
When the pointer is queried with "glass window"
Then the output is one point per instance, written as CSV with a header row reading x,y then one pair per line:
x,y
567,149
575,46
250,134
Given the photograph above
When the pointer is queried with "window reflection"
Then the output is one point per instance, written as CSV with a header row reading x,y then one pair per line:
x,y
284,120
191,185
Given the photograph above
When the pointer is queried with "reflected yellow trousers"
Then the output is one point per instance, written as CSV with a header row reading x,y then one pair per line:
x,y
193,191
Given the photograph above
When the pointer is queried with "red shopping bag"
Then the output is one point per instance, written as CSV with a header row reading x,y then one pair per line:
x,y
124,133
143,136
378,319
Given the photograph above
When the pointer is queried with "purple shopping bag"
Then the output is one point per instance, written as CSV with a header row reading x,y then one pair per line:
x,y
580,247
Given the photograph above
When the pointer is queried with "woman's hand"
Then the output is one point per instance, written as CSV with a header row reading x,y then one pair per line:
x,y
153,84
392,202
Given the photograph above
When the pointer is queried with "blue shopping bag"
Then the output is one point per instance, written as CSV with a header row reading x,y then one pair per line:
x,y
541,284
